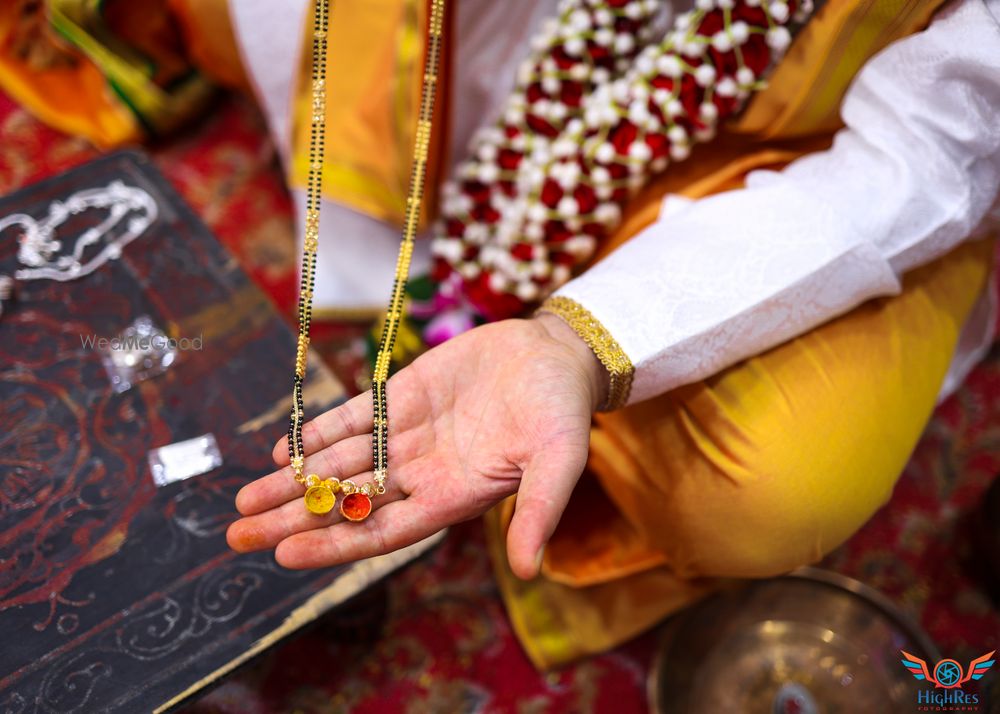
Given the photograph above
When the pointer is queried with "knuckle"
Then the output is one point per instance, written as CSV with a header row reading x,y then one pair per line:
x,y
311,433
334,547
286,523
347,421
377,532
333,462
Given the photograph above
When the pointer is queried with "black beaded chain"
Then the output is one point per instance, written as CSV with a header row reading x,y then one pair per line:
x,y
418,175
390,328
314,192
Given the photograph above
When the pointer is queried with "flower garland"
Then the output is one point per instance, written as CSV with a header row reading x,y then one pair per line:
x,y
596,113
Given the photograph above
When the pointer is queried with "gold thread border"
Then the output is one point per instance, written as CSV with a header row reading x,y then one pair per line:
x,y
604,345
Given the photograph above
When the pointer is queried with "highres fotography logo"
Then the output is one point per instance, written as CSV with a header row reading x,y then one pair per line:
x,y
948,679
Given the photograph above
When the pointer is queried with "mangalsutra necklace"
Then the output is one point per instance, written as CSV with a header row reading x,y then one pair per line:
x,y
321,494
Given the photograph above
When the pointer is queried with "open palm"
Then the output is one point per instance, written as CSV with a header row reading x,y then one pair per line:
x,y
502,409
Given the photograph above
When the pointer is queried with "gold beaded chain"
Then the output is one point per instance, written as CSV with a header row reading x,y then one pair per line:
x,y
320,494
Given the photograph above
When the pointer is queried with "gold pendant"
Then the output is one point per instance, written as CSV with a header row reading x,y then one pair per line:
x,y
319,499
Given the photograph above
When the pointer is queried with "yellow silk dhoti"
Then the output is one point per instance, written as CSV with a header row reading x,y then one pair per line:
x,y
777,460
764,467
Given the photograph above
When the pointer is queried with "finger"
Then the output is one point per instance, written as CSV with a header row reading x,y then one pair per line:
x,y
390,527
542,496
342,460
351,418
266,530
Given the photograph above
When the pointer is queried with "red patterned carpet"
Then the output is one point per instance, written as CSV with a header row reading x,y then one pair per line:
x,y
445,644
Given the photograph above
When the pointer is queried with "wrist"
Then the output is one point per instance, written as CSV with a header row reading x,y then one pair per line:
x,y
597,376
618,371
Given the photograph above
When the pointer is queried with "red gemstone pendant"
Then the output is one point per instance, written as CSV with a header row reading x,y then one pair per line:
x,y
355,507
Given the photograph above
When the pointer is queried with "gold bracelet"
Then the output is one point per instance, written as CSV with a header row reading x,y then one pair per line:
x,y
320,495
605,347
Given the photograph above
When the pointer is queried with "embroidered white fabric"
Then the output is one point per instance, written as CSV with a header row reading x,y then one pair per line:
x,y
913,173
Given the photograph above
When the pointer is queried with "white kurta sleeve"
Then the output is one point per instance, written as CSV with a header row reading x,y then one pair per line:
x,y
911,175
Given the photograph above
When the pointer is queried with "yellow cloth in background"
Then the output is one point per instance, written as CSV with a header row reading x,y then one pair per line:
x,y
374,71
807,86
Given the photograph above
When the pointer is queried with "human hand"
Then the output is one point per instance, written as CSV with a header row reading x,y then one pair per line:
x,y
504,408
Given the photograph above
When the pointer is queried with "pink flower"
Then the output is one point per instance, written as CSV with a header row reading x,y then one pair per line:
x,y
448,324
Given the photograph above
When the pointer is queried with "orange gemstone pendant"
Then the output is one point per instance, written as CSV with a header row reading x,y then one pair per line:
x,y
355,507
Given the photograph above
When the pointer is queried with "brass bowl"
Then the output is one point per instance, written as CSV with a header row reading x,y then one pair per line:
x,y
811,642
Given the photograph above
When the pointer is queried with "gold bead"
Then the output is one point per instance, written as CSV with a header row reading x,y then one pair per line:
x,y
348,487
333,484
312,480
368,489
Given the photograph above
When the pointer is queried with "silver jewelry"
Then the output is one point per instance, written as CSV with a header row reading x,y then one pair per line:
x,y
131,210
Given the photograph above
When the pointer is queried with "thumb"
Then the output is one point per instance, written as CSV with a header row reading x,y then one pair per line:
x,y
545,488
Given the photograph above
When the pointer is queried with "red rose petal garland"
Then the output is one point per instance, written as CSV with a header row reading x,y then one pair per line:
x,y
588,45
548,182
